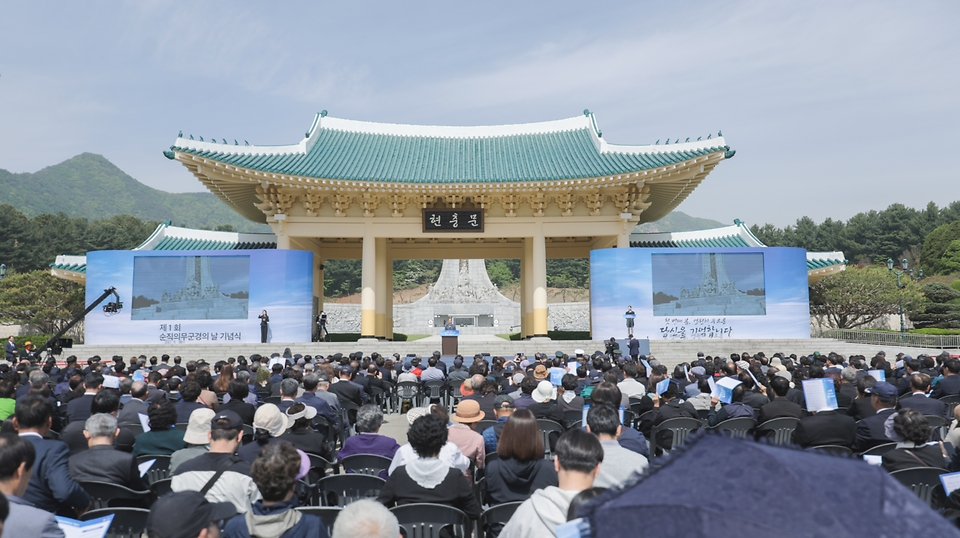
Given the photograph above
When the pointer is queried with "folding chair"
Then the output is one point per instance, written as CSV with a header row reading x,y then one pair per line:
x,y
343,489
369,464
426,520
736,427
778,430
107,495
551,431
835,450
679,428
127,522
924,482
327,514
159,470
494,518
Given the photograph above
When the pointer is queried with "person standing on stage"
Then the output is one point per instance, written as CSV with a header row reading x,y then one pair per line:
x,y
629,316
264,324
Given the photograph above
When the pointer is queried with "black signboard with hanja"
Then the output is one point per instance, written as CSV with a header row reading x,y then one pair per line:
x,y
452,220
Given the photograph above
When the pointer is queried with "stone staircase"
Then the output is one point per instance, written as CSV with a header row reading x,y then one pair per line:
x,y
669,352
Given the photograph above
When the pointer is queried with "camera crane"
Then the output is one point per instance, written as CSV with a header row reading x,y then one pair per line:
x,y
54,343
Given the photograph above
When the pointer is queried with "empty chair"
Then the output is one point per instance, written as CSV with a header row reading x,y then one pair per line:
x,y
407,391
778,430
435,392
736,427
453,395
107,495
924,482
327,514
679,427
425,520
343,489
127,522
494,518
370,464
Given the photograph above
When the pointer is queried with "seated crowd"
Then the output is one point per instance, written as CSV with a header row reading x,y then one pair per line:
x,y
243,437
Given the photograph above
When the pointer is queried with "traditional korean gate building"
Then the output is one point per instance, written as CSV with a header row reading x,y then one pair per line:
x,y
381,192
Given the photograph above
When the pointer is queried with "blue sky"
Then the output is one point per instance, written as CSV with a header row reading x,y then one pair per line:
x,y
833,107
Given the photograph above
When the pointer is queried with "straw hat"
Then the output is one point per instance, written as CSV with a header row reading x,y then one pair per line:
x,y
468,412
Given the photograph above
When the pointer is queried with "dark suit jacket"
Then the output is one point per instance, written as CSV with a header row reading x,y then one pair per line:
x,y
927,406
846,395
103,463
906,458
51,488
323,408
754,399
870,431
779,408
948,386
242,408
79,408
130,412
796,396
185,408
862,408
347,391
154,394
825,428
547,410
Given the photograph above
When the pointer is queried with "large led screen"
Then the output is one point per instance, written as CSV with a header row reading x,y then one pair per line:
x,y
200,296
679,294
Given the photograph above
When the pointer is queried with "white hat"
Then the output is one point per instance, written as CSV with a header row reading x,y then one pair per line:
x,y
198,426
545,392
308,412
578,352
268,417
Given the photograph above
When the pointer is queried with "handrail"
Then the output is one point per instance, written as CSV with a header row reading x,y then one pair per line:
x,y
933,341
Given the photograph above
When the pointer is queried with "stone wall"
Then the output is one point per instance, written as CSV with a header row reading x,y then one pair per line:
x,y
568,316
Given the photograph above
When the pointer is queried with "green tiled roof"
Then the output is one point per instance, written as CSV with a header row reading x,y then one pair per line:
x,y
350,154
820,263
73,267
179,243
713,242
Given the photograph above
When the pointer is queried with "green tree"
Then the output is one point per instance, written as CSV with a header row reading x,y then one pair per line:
x,y
858,296
499,273
950,261
936,243
38,298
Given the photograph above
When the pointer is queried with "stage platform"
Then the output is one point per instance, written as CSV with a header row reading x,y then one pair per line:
x,y
669,352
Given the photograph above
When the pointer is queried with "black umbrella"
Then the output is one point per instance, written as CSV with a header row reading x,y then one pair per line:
x,y
716,486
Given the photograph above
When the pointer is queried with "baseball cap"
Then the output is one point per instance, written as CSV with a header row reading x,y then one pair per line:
x,y
503,401
199,425
235,422
184,514
883,390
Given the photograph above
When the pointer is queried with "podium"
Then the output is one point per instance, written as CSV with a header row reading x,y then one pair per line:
x,y
448,342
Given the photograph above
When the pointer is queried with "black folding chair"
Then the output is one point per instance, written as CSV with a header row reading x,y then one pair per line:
x,y
835,450
369,464
159,470
127,522
327,514
161,487
736,427
135,429
925,483
679,428
426,520
551,432
879,450
938,427
570,417
493,519
778,430
107,495
343,489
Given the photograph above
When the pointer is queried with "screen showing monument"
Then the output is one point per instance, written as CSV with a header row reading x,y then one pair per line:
x,y
201,296
708,284
676,294
190,287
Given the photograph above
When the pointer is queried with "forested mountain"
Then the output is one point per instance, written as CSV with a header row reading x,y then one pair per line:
x,y
90,186
896,232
